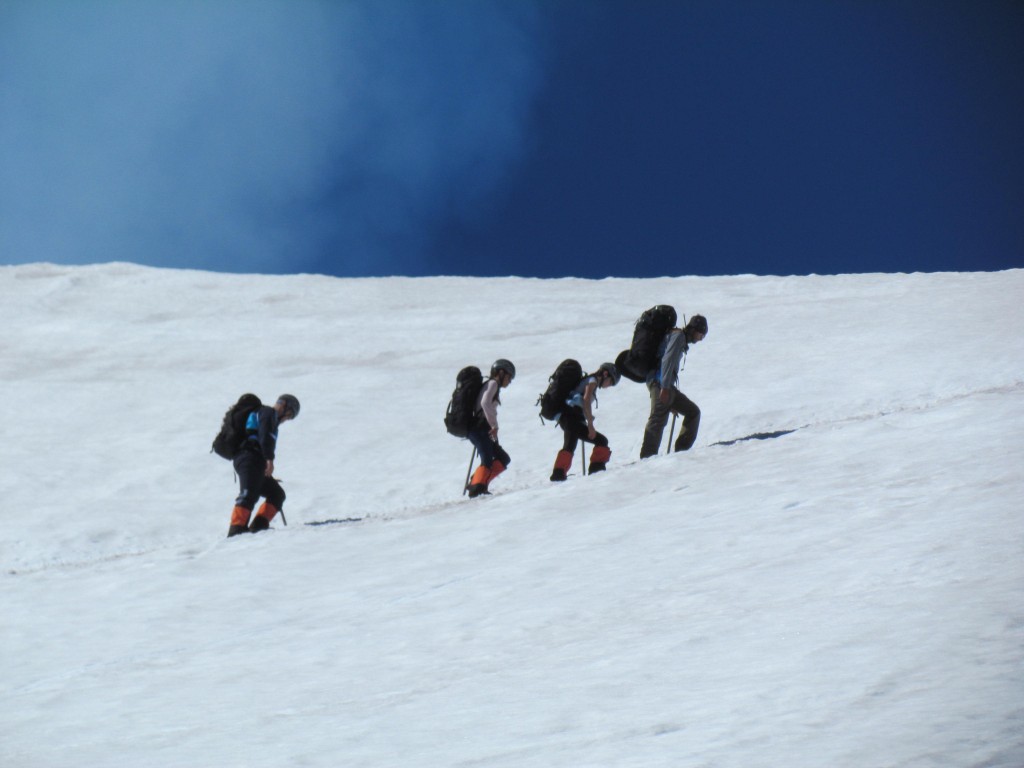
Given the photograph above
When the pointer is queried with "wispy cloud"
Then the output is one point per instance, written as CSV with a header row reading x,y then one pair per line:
x,y
271,137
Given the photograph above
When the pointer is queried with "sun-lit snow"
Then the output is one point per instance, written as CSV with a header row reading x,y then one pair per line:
x,y
848,594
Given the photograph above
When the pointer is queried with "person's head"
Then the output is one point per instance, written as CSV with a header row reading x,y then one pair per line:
x,y
287,407
608,375
503,372
696,329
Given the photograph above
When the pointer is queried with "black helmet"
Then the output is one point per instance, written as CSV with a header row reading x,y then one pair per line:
x,y
612,370
698,324
501,364
291,404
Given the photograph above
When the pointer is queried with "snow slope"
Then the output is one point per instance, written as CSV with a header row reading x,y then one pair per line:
x,y
848,594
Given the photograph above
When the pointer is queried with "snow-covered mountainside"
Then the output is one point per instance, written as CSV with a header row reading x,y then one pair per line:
x,y
849,593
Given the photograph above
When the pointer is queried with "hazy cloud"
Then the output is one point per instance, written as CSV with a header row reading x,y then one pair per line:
x,y
275,136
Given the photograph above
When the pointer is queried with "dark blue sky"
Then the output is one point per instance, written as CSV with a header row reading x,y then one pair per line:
x,y
767,137
528,137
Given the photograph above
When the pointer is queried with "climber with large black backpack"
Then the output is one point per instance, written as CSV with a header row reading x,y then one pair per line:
x,y
569,401
473,414
248,437
665,395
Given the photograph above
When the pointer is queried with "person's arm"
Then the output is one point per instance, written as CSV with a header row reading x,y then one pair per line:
x,y
489,405
268,437
674,349
588,399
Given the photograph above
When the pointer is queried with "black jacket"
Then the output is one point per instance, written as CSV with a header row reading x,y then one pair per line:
x,y
261,431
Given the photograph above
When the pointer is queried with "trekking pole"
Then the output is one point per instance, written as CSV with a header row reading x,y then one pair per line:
x,y
472,458
668,448
583,459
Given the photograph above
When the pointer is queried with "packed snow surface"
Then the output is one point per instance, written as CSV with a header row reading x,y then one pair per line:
x,y
847,593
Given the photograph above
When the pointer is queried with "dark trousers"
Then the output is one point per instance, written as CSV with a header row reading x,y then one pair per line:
x,y
250,466
574,427
677,403
487,448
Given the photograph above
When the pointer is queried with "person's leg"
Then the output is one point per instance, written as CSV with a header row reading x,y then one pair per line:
x,y
485,447
274,494
691,421
499,464
249,467
600,455
571,425
655,423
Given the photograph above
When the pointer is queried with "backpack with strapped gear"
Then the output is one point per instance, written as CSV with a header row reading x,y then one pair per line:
x,y
231,438
458,419
642,356
564,380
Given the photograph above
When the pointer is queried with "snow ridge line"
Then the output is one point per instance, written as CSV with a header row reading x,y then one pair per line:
x,y
1006,389
768,433
74,564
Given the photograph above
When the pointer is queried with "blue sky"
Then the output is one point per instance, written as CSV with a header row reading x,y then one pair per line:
x,y
569,137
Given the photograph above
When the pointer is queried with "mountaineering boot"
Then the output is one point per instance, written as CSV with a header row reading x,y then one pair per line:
x,y
239,521
262,520
478,485
598,458
562,463
685,440
259,523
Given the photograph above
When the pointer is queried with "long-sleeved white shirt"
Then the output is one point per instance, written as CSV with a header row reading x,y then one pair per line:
x,y
488,402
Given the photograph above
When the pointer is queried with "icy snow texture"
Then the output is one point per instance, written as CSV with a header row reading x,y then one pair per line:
x,y
850,594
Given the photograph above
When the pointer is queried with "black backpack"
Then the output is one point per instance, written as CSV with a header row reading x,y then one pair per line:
x,y
231,437
564,380
459,417
642,356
